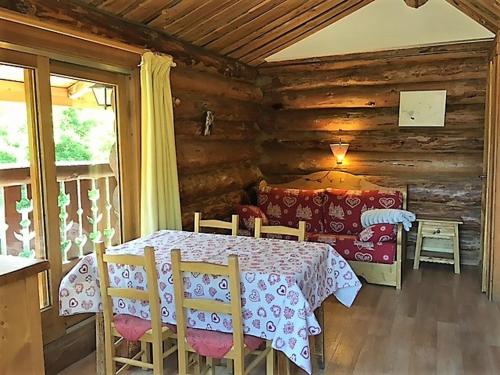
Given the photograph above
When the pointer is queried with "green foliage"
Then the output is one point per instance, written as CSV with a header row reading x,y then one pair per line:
x,y
6,157
73,144
71,150
71,123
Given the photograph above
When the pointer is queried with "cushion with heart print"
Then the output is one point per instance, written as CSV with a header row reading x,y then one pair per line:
x,y
247,214
378,233
289,206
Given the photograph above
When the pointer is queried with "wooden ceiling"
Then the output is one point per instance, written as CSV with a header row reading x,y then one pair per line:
x,y
251,30
247,30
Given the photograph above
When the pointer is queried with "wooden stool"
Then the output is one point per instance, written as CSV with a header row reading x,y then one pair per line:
x,y
438,236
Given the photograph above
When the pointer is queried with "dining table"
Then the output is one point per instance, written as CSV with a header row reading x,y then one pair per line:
x,y
282,283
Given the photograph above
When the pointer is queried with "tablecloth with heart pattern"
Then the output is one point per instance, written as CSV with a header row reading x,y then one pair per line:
x,y
282,283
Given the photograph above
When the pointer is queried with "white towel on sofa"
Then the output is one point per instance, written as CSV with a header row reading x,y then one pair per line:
x,y
387,216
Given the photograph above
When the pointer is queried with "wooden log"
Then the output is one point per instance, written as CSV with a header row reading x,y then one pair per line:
x,y
407,56
188,79
475,68
415,3
81,19
215,207
399,139
334,119
196,156
224,180
458,92
221,130
284,160
192,105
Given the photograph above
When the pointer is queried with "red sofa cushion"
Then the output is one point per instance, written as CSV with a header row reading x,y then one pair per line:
x,y
378,233
343,208
289,206
248,214
350,248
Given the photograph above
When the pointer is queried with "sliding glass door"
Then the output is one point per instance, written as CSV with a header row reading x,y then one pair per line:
x,y
60,167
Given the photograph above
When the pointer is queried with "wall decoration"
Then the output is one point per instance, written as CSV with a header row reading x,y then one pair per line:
x,y
422,108
209,122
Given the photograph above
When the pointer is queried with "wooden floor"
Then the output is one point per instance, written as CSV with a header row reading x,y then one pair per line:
x,y
438,324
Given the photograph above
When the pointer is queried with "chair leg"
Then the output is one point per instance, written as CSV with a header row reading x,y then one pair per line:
x,y
269,359
229,366
320,339
109,348
239,365
146,355
183,360
198,364
211,366
158,358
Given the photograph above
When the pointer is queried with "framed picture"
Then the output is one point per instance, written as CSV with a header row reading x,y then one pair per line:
x,y
422,108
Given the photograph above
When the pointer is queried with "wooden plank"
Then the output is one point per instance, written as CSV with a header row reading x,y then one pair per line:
x,y
251,24
234,19
291,25
192,20
487,16
147,10
258,55
89,23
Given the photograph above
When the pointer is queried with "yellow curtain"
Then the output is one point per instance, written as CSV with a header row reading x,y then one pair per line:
x,y
160,200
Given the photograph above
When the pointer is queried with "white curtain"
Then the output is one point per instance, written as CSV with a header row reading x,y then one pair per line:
x,y
160,200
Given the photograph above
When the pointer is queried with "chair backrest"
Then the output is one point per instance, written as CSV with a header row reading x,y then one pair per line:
x,y
150,295
299,232
231,271
217,224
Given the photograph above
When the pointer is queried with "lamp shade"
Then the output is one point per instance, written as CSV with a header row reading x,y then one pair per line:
x,y
339,150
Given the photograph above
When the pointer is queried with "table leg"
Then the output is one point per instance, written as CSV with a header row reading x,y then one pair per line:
x,y
418,247
319,344
99,343
282,364
456,250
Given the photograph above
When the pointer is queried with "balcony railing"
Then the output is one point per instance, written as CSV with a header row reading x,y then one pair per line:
x,y
88,203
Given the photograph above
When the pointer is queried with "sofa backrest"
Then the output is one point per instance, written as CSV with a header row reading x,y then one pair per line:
x,y
342,209
289,206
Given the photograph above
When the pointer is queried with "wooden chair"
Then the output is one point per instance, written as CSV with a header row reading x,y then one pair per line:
x,y
237,344
299,232
216,224
156,335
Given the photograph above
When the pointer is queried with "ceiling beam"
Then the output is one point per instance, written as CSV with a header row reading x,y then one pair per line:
x,y
415,3
321,21
487,15
85,22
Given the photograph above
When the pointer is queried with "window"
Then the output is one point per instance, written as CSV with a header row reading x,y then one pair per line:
x,y
64,185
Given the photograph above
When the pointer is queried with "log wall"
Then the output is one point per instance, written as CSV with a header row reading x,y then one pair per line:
x,y
214,170
311,103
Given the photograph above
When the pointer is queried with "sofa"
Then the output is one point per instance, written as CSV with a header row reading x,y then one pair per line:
x,y
333,216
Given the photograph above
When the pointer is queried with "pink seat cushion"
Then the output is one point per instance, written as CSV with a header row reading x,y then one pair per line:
x,y
215,344
132,328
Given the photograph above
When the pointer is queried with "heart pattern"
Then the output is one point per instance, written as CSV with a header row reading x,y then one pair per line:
x,y
289,206
346,207
282,283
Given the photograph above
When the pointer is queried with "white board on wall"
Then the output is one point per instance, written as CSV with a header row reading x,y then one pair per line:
x,y
422,108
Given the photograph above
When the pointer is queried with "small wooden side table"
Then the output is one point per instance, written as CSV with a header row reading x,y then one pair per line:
x,y
440,236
